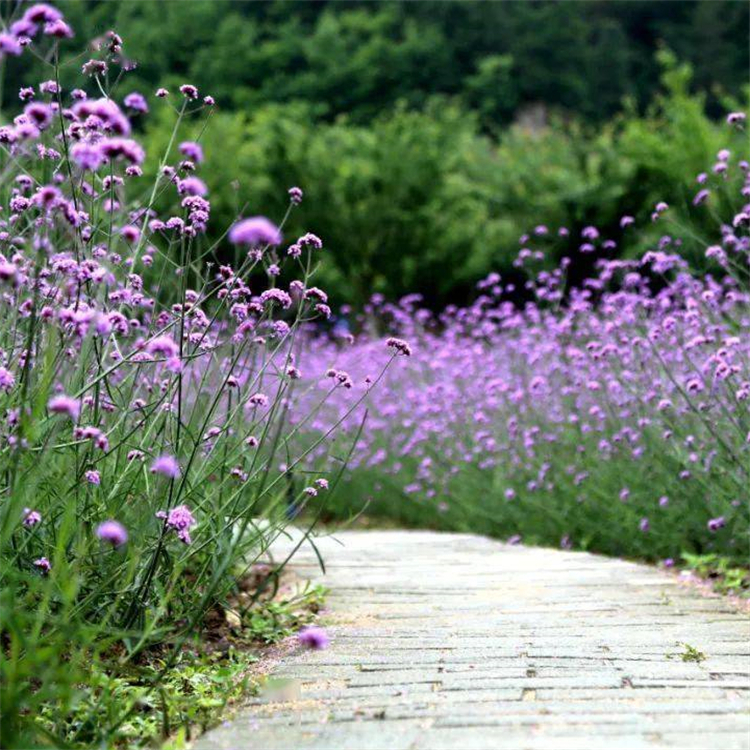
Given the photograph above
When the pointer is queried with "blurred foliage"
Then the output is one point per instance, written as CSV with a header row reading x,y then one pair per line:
x,y
428,136
360,58
424,201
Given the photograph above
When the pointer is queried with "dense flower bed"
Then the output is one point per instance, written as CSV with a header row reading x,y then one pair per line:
x,y
610,415
144,389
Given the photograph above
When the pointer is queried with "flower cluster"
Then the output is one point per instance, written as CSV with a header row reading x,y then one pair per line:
x,y
146,385
612,413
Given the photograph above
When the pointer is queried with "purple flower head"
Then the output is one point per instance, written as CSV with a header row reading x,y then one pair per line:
x,y
166,466
65,405
87,156
112,532
399,346
295,195
7,379
189,91
715,524
701,197
256,230
192,186
258,399
58,29
180,520
43,564
93,477
31,517
122,148
102,115
736,118
163,346
39,114
644,525
314,638
42,13
9,45
192,150
136,102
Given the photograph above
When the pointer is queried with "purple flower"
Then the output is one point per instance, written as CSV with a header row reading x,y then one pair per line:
x,y
715,524
87,156
166,466
179,520
9,45
295,195
644,525
31,517
122,148
701,196
42,13
256,230
112,532
136,102
7,379
58,29
314,638
43,564
735,118
399,346
163,346
192,186
258,399
65,405
189,91
39,114
192,150
93,477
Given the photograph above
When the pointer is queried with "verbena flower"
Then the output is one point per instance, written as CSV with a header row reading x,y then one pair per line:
x,y
43,564
65,405
166,466
256,230
314,638
112,532
31,517
180,520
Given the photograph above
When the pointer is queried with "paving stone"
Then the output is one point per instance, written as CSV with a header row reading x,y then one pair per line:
x,y
457,641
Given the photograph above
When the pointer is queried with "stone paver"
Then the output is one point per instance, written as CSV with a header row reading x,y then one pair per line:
x,y
461,642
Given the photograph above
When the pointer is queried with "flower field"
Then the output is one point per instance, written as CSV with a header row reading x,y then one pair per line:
x,y
609,414
146,442
171,402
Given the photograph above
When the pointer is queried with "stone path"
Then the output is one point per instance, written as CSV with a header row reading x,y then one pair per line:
x,y
457,641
